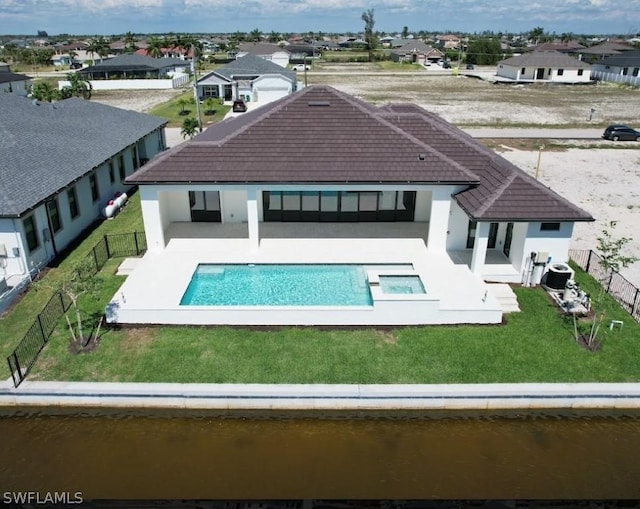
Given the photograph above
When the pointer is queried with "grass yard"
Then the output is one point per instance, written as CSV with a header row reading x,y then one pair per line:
x,y
173,110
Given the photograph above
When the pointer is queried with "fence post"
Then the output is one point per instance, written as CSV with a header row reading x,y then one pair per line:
x,y
588,262
634,306
106,245
44,336
95,258
135,236
17,371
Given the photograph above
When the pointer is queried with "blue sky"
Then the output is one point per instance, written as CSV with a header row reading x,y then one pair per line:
x,y
105,17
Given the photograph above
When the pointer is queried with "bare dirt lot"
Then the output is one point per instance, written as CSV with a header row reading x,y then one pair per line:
x,y
605,182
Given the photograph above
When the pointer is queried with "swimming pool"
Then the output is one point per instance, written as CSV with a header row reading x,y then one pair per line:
x,y
278,285
401,284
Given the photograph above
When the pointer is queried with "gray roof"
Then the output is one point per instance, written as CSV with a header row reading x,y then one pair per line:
x,y
251,65
552,59
416,46
7,76
607,48
626,59
46,146
134,63
321,135
260,48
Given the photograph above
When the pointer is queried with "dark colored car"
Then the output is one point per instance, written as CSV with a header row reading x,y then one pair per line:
x,y
239,106
621,132
75,65
470,66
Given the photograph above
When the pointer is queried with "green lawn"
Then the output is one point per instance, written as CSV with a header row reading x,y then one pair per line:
x,y
171,110
535,345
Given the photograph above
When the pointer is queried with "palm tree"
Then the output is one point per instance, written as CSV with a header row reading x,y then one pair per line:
x,y
274,37
255,35
98,45
78,86
44,91
154,47
189,127
130,42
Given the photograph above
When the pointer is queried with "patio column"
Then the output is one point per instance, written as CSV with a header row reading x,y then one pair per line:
x,y
439,218
252,218
152,217
480,248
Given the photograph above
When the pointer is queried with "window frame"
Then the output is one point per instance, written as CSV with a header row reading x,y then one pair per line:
x,y
72,200
53,213
550,226
31,234
95,189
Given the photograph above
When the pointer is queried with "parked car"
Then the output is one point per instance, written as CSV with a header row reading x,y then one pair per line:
x,y
239,106
470,66
621,132
301,67
75,65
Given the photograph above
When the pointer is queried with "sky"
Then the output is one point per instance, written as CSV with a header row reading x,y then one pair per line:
x,y
107,17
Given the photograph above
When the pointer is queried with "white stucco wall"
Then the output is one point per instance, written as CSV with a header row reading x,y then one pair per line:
x,y
518,239
550,74
20,88
234,206
271,87
423,206
458,227
178,208
14,263
556,243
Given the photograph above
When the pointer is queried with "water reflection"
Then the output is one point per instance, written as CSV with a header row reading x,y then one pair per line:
x,y
256,455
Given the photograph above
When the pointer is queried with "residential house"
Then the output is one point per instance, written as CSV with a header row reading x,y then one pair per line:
x,y
448,41
544,66
562,47
60,164
270,52
621,68
167,52
15,83
416,52
4,67
322,177
251,78
134,66
603,50
301,52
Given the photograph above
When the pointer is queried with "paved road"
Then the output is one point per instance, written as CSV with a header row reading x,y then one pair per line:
x,y
554,134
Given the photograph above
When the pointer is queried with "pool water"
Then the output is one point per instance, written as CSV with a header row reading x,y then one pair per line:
x,y
401,284
278,285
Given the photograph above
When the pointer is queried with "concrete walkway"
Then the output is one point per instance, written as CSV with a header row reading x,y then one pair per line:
x,y
536,133
323,397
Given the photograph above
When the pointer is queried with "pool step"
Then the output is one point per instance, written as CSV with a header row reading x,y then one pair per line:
x,y
505,297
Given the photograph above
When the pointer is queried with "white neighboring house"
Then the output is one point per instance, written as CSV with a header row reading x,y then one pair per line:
x,y
14,83
544,66
251,78
320,159
622,68
60,165
271,52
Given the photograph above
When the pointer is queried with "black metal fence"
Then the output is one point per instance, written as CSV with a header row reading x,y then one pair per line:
x,y
26,353
624,292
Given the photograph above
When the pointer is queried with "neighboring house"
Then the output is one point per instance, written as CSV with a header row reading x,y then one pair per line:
x,y
60,165
546,66
621,68
603,50
270,52
333,163
135,66
448,41
562,47
14,83
4,67
299,52
416,52
251,78
169,52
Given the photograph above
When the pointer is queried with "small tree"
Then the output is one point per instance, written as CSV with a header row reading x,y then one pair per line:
x,y
189,127
183,102
611,261
210,105
44,91
81,281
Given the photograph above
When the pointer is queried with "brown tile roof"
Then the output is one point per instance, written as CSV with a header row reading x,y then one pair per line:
x,y
321,135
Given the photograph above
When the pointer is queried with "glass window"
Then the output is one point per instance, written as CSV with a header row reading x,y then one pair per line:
x,y
121,168
580,72
625,71
368,201
400,202
471,234
72,198
275,201
93,183
310,200
329,201
31,232
112,177
54,215
635,71
550,227
349,201
387,200
522,71
291,200
560,72
134,158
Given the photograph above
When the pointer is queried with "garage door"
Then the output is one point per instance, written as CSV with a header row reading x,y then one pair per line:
x,y
264,96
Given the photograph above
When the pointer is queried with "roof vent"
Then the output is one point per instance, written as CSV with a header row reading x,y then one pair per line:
x,y
421,157
319,103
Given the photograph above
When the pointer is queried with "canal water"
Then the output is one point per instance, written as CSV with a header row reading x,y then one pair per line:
x,y
203,455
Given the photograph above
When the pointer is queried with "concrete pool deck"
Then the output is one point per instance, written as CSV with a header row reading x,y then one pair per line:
x,y
153,290
237,397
